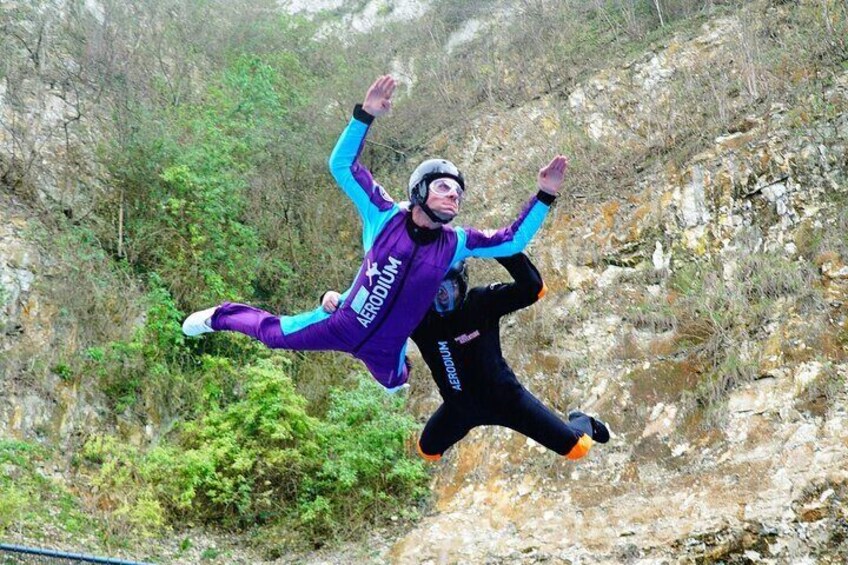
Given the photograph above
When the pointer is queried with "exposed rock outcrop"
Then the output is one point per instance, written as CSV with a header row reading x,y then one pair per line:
x,y
763,483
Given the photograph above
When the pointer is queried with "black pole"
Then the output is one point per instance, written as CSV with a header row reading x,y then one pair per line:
x,y
69,556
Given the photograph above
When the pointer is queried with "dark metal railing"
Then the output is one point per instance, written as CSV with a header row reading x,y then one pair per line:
x,y
18,554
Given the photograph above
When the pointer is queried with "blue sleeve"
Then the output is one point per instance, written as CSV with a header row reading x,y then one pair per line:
x,y
505,241
374,205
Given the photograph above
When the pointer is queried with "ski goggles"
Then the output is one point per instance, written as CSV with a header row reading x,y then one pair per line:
x,y
443,186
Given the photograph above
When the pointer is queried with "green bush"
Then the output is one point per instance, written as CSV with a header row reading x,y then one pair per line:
x,y
186,171
256,457
13,506
239,463
119,488
223,463
151,361
365,472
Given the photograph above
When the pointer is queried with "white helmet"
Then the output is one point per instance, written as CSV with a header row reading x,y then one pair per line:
x,y
428,171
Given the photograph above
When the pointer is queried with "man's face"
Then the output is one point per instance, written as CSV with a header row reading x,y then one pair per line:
x,y
448,297
444,197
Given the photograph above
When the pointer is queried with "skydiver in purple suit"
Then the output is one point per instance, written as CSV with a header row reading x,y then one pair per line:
x,y
408,250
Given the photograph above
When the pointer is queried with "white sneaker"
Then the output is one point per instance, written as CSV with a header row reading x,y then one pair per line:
x,y
398,389
199,322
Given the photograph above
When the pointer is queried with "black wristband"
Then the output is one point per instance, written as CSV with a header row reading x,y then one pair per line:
x,y
546,197
362,115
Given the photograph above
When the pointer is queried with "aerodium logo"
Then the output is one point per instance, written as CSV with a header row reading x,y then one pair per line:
x,y
367,303
450,366
465,338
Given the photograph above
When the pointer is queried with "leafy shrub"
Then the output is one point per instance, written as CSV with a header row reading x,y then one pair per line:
x,y
221,468
13,506
119,489
186,170
364,471
151,361
243,461
258,457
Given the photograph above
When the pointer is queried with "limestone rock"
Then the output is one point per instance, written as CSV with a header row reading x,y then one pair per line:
x,y
579,278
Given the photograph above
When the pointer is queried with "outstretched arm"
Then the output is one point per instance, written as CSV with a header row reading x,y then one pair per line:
x,y
372,202
514,238
501,299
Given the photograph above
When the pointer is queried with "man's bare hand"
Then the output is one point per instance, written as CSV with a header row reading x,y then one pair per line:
x,y
378,99
550,177
330,301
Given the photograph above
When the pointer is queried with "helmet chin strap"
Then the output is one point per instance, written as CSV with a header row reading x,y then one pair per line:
x,y
432,215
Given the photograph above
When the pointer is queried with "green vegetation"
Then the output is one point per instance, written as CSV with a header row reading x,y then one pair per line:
x,y
717,311
261,459
30,500
186,177
151,361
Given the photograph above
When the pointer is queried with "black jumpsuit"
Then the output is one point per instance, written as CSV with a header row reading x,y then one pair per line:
x,y
463,351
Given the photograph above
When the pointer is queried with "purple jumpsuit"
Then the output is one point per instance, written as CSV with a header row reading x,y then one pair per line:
x,y
397,281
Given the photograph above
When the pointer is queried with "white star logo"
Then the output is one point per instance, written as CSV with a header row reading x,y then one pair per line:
x,y
372,271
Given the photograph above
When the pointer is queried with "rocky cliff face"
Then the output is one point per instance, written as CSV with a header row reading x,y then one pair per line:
x,y
363,17
51,126
763,481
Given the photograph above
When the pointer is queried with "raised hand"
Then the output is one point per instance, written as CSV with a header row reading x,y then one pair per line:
x,y
378,99
550,177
